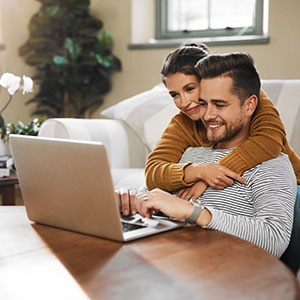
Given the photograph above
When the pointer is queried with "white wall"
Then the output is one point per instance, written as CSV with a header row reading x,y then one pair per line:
x,y
278,59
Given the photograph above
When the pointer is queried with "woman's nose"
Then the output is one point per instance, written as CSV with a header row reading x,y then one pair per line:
x,y
185,100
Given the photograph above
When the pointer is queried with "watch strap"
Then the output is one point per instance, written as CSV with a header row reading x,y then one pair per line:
x,y
195,215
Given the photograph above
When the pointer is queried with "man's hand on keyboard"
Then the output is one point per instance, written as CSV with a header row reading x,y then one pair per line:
x,y
125,198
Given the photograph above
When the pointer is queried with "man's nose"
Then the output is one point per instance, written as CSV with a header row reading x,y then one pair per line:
x,y
210,113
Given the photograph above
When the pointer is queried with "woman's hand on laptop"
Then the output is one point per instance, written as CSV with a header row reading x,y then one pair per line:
x,y
125,198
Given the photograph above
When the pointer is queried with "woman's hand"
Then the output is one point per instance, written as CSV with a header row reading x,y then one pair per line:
x,y
194,191
168,204
214,174
125,198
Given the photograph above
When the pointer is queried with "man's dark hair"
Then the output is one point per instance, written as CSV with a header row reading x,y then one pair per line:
x,y
238,66
183,59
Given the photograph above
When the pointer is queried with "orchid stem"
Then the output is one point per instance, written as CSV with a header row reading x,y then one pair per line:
x,y
3,109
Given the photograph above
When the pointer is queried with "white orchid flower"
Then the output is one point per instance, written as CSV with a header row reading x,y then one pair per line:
x,y
11,82
28,85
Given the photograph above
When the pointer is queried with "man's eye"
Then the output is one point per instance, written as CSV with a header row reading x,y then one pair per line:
x,y
202,103
189,89
219,105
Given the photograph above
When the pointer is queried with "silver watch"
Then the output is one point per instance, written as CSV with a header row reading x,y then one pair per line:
x,y
198,207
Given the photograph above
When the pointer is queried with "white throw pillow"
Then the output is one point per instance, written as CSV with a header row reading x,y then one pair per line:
x,y
147,113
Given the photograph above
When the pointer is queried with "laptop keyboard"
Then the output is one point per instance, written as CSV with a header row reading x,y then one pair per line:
x,y
129,226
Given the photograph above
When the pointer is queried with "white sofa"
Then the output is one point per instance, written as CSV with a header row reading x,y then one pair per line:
x,y
133,126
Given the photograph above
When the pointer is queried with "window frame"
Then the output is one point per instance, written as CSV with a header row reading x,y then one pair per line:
x,y
162,33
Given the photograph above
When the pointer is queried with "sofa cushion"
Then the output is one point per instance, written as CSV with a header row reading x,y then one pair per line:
x,y
147,113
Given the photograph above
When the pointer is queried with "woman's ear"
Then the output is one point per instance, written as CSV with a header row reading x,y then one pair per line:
x,y
250,105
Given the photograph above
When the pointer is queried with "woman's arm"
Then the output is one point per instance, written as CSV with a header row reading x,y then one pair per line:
x,y
267,139
162,168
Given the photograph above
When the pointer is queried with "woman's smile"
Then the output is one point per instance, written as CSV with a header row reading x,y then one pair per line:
x,y
191,110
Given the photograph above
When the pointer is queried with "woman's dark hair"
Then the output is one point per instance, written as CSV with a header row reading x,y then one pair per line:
x,y
238,66
183,59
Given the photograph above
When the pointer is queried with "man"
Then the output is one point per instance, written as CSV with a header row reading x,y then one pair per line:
x,y
260,211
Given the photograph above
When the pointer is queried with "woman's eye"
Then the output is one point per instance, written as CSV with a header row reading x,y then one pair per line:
x,y
173,95
202,103
189,89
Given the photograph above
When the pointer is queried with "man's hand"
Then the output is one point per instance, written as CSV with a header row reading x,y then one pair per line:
x,y
193,192
214,174
168,204
126,200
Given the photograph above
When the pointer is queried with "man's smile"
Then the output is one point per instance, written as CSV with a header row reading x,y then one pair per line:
x,y
213,127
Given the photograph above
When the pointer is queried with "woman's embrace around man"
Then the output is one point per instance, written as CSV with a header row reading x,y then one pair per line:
x,y
226,149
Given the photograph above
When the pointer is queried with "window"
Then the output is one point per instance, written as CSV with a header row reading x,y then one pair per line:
x,y
186,19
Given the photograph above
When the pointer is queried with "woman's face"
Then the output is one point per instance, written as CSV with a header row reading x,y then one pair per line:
x,y
184,89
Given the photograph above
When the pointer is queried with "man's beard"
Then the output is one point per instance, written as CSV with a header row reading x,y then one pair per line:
x,y
230,133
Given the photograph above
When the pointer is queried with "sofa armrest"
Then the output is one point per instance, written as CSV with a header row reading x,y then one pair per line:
x,y
124,148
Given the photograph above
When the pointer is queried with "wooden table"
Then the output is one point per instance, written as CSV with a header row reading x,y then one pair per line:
x,y
40,262
7,189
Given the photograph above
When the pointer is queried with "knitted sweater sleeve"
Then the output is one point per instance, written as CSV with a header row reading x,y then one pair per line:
x,y
162,168
267,139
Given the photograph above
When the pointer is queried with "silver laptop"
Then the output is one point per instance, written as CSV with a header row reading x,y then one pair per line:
x,y
68,184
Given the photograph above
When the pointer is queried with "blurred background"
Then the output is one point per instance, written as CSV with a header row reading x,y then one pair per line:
x,y
132,23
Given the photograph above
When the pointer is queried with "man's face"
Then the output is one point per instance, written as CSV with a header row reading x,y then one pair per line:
x,y
222,114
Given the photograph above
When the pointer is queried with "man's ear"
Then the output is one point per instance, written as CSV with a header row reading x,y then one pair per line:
x,y
250,105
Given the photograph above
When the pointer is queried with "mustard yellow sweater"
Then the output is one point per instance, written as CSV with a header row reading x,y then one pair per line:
x,y
267,139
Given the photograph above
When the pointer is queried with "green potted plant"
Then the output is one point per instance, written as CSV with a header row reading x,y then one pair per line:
x,y
32,128
73,59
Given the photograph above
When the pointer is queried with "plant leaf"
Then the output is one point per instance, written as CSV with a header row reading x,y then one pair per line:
x,y
104,39
54,11
103,60
60,60
73,48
